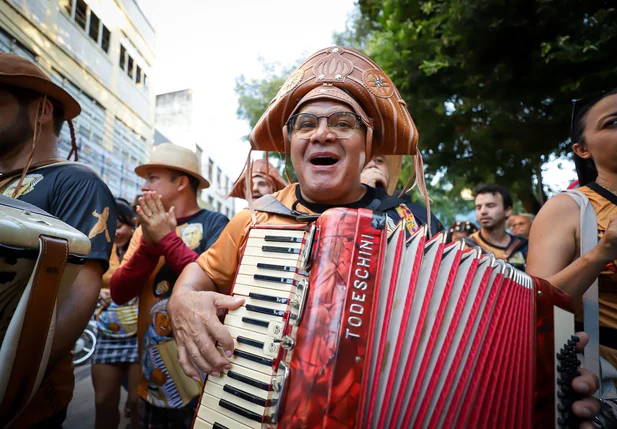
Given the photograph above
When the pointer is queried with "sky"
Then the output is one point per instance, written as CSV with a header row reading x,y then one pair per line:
x,y
206,44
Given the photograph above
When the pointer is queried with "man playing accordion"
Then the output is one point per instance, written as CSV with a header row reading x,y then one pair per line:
x,y
334,113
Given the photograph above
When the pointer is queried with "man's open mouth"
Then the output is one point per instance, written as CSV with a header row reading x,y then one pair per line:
x,y
323,160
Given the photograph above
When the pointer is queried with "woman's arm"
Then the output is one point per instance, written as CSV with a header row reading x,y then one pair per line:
x,y
554,248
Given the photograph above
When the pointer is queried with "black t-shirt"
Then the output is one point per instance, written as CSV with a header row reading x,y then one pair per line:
x,y
76,195
377,199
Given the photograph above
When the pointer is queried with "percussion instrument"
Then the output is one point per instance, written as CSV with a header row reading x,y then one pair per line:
x,y
39,258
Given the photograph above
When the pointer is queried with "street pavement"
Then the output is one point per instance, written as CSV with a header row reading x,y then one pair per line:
x,y
81,409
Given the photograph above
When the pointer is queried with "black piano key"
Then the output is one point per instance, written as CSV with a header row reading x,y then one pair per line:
x,y
250,356
239,410
246,396
275,267
269,298
276,249
257,322
249,381
264,310
273,279
281,239
218,426
250,342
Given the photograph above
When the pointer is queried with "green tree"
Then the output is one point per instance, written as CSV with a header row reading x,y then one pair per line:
x,y
490,83
254,96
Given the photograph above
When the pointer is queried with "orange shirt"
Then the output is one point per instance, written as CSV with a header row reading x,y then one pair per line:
x,y
221,260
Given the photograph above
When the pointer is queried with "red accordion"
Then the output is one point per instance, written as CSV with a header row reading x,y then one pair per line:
x,y
343,328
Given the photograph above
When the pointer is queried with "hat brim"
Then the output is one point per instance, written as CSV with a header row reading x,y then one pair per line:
x,y
395,166
142,170
34,83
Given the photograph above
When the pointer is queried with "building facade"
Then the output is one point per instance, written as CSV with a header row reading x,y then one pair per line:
x,y
101,52
176,123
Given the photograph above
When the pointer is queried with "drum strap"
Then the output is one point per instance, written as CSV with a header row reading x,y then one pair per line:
x,y
34,343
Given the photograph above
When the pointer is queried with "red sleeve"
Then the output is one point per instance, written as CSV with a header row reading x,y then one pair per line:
x,y
177,254
128,280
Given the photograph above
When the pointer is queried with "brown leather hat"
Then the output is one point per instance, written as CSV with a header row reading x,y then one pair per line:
x,y
259,168
19,72
394,132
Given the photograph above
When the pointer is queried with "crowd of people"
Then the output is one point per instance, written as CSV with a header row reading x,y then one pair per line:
x,y
162,269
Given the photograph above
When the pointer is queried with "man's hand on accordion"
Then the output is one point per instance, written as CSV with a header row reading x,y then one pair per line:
x,y
585,384
194,312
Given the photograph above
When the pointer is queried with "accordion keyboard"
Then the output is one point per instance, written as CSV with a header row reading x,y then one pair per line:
x,y
273,285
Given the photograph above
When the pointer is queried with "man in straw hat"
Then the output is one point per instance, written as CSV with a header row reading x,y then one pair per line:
x,y
265,179
334,113
32,112
173,231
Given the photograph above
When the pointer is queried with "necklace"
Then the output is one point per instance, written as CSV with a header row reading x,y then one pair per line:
x,y
608,189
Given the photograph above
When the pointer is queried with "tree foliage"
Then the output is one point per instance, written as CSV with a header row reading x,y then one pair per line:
x,y
490,82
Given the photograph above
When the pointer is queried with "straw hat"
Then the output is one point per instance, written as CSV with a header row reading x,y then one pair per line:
x,y
19,72
259,168
174,157
390,128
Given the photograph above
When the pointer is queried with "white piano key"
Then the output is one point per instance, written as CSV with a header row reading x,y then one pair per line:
x,y
217,391
272,257
261,233
206,418
238,384
261,284
252,262
248,363
212,403
243,312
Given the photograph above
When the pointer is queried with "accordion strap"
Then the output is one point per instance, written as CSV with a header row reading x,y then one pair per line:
x,y
30,350
591,306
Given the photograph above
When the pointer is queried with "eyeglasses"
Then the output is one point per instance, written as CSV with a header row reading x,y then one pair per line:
x,y
579,107
341,124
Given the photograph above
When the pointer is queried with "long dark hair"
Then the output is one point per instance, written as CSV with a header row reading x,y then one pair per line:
x,y
585,168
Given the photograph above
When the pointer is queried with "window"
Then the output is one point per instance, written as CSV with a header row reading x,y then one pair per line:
x,y
226,184
218,177
138,75
81,12
145,82
210,169
122,57
105,36
218,206
129,69
211,201
67,5
89,21
95,24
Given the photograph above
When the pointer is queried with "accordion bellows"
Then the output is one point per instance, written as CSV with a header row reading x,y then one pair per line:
x,y
343,328
394,130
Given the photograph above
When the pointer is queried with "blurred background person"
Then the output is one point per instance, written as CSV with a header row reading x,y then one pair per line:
x,y
265,180
116,354
520,224
460,230
493,207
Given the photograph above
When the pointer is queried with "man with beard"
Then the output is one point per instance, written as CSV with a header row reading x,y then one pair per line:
x,y
493,207
32,112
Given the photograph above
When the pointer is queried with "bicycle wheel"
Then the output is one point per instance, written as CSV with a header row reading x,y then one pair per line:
x,y
84,347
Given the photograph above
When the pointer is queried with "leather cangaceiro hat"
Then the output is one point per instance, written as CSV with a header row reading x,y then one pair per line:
x,y
259,168
19,72
392,128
